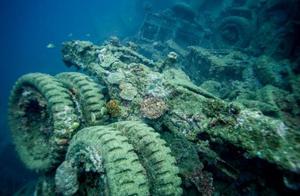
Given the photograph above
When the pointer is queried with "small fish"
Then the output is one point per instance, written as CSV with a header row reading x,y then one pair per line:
x,y
70,34
50,46
88,35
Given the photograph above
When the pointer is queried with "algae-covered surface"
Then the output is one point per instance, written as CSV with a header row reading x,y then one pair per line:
x,y
196,98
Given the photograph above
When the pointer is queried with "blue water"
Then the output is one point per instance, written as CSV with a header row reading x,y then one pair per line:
x,y
27,27
32,33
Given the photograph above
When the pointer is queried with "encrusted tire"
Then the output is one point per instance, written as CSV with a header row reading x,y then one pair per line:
x,y
42,119
154,155
100,161
91,103
233,32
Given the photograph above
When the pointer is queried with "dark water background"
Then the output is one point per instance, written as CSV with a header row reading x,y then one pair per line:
x,y
28,26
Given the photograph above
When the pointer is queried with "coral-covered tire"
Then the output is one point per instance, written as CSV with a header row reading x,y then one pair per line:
x,y
100,161
42,120
90,99
154,155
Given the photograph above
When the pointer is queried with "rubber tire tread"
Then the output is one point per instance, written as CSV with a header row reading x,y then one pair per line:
x,y
51,89
91,100
125,174
156,157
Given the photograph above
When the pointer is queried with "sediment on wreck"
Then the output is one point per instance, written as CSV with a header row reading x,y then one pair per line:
x,y
199,113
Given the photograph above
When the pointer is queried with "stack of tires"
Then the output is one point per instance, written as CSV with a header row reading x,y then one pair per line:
x,y
60,128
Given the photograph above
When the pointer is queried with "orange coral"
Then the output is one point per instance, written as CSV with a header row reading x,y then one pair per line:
x,y
113,108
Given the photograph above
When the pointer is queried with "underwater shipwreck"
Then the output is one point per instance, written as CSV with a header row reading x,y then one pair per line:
x,y
194,104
